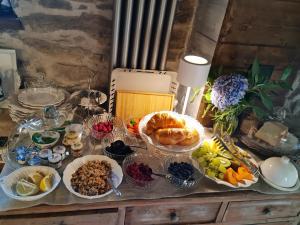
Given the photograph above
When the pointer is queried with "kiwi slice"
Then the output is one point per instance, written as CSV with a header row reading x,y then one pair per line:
x,y
223,161
224,153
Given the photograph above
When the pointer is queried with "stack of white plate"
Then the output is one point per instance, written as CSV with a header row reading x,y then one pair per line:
x,y
32,100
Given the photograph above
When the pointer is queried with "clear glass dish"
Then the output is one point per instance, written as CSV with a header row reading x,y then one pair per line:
x,y
101,135
191,182
150,160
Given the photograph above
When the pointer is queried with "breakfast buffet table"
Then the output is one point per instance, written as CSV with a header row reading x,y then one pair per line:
x,y
207,203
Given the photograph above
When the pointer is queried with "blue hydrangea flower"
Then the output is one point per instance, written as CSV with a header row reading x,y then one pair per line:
x,y
228,90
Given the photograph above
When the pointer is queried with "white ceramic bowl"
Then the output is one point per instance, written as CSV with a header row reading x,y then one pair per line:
x,y
117,174
8,183
280,171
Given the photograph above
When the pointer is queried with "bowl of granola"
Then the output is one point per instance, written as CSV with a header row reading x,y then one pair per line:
x,y
87,177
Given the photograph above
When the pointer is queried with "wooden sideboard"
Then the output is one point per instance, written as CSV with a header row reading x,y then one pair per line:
x,y
236,208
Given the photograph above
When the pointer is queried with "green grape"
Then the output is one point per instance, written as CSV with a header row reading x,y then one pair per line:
x,y
213,166
203,151
196,154
216,162
222,169
202,162
210,155
221,176
211,173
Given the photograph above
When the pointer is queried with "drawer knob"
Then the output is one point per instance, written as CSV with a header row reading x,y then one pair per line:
x,y
174,217
266,211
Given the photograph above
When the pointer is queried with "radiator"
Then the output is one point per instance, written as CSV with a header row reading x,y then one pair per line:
x,y
141,33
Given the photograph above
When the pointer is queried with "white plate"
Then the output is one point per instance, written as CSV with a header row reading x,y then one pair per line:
x,y
294,188
40,97
73,166
9,182
219,181
191,122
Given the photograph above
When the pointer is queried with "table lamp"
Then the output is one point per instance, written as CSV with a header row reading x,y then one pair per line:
x,y
193,72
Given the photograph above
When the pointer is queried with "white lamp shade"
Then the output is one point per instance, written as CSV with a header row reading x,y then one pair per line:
x,y
193,71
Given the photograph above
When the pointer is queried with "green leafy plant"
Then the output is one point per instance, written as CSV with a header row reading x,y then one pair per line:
x,y
257,99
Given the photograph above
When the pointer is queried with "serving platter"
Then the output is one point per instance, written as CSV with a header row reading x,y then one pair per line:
x,y
73,167
246,183
41,97
290,147
190,122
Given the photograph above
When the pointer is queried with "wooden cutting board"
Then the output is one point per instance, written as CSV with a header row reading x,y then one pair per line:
x,y
137,104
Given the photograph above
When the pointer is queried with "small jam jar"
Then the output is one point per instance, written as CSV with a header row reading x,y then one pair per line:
x,y
55,160
44,154
60,149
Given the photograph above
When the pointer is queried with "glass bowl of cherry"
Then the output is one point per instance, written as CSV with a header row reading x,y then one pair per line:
x,y
104,126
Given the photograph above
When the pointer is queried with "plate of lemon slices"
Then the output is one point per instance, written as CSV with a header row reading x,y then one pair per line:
x,y
30,183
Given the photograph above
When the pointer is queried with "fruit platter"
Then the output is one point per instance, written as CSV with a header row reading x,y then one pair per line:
x,y
223,167
171,132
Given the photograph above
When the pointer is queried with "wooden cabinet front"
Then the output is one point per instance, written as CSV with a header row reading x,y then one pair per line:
x,y
172,214
262,211
90,217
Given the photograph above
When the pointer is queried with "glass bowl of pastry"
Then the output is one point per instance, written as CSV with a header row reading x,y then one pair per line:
x,y
73,139
171,132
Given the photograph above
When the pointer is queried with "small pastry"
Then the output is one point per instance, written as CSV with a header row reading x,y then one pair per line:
x,y
66,142
77,146
77,149
72,135
73,141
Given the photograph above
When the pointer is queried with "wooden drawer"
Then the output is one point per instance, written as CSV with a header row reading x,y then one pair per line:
x,y
172,214
262,211
90,217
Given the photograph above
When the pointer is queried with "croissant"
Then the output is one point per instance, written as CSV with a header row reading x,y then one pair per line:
x,y
171,136
163,120
191,138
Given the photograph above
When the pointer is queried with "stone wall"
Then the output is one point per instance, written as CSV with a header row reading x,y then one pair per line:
x,y
66,39
69,40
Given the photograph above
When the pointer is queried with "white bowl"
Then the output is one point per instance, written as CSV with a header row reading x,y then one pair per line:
x,y
280,171
117,174
9,182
